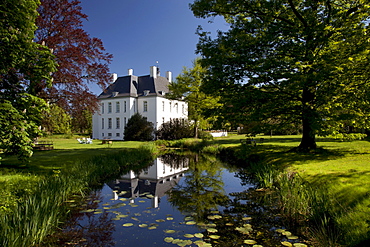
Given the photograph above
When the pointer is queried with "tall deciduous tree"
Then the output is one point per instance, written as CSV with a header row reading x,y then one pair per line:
x,y
24,65
187,86
81,59
303,60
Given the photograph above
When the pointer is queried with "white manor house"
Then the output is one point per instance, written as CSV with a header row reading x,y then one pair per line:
x,y
132,94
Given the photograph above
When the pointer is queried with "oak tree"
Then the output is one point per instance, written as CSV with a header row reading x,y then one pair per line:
x,y
82,60
300,60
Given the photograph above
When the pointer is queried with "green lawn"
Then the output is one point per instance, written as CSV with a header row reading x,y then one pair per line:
x,y
66,152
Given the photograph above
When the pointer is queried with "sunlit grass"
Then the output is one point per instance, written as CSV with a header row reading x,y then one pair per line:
x,y
342,168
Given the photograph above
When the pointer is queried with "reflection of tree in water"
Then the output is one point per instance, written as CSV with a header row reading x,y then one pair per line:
x,y
93,231
176,161
203,188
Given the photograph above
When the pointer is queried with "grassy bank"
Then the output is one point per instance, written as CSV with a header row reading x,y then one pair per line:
x,y
33,204
328,188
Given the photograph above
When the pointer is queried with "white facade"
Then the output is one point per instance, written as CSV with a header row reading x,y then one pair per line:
x,y
131,94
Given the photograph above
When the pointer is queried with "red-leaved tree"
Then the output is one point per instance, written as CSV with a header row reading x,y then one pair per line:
x,y
82,60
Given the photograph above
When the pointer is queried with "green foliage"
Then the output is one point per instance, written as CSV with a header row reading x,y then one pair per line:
x,y
57,121
291,61
187,86
175,129
19,127
138,128
24,67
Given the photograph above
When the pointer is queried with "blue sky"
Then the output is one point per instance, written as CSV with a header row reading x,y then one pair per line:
x,y
141,32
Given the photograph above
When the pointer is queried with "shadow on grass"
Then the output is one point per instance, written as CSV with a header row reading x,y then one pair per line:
x,y
46,161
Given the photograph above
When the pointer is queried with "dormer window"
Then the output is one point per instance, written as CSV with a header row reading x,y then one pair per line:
x,y
114,94
146,92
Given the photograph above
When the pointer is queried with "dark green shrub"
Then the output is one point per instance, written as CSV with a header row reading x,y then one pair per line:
x,y
138,128
206,136
175,129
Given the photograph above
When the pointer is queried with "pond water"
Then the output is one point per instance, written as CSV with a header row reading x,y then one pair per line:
x,y
178,200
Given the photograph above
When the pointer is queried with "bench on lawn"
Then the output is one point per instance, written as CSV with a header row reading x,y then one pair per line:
x,y
44,145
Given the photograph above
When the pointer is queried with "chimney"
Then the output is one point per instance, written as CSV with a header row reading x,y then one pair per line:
x,y
114,77
169,76
153,71
130,72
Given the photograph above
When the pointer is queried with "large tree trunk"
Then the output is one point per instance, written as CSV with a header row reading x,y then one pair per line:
x,y
308,141
309,115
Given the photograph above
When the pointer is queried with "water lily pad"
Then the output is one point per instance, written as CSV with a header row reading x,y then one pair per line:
x,y
160,220
293,237
149,196
128,224
299,245
245,230
98,212
199,235
214,236
212,225
134,218
286,243
116,218
169,218
201,243
229,224
215,212
190,223
246,218
134,205
152,227
169,231
189,235
188,218
123,199
250,241
280,230
168,239
212,230
122,215
143,225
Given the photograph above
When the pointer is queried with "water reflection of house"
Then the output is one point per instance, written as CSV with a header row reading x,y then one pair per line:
x,y
153,181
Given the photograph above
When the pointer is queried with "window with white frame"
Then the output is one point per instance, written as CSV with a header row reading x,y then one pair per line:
x,y
102,108
102,123
170,106
109,107
183,109
109,123
162,105
134,106
125,106
124,122
117,134
177,108
110,134
145,106
118,123
118,107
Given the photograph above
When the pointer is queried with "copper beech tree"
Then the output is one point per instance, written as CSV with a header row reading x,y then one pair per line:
x,y
82,60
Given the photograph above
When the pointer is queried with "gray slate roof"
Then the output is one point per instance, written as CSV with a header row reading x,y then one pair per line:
x,y
135,86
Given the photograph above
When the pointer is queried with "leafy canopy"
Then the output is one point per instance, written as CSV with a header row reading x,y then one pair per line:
x,y
82,60
24,65
187,87
299,60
